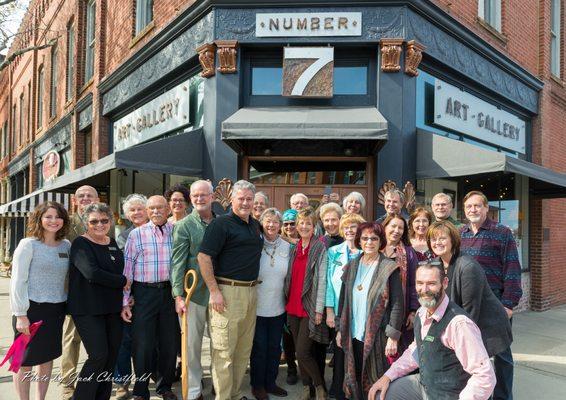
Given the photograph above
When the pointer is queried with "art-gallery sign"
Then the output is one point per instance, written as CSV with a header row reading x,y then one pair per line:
x,y
308,24
467,114
163,114
308,72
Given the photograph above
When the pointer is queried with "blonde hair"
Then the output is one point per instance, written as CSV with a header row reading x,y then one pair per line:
x,y
349,219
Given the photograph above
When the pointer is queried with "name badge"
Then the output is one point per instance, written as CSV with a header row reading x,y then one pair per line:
x,y
112,248
63,255
429,338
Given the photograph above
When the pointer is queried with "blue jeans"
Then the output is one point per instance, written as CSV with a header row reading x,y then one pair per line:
x,y
123,369
503,363
266,351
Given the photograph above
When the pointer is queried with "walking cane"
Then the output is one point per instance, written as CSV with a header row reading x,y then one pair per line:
x,y
189,289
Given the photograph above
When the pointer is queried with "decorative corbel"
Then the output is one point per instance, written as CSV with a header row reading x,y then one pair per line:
x,y
207,58
223,193
391,54
227,55
413,57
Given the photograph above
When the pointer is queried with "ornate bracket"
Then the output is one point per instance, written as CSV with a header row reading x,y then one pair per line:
x,y
227,55
408,191
413,57
223,192
391,54
207,58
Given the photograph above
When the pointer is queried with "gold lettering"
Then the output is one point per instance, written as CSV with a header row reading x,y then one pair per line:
x,y
169,108
273,24
315,23
342,23
139,126
328,23
301,23
162,113
287,26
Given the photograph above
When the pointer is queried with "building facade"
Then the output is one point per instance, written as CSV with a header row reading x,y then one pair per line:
x,y
308,96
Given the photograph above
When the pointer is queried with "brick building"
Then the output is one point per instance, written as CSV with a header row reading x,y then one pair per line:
x,y
450,96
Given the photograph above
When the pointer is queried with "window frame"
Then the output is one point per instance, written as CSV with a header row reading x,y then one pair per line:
x,y
53,83
70,64
21,119
490,12
90,40
143,15
555,38
40,94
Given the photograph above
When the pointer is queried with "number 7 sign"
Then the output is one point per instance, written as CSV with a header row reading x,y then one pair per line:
x,y
308,71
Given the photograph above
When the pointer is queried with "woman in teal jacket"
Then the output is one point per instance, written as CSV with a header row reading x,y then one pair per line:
x,y
338,258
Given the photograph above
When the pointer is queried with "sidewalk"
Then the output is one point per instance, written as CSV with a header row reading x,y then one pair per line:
x,y
539,350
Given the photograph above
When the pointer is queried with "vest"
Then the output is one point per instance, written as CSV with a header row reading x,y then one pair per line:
x,y
441,373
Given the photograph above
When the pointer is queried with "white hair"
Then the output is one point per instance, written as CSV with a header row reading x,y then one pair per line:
x,y
242,184
132,199
294,196
392,192
202,182
265,198
445,196
270,212
354,196
328,207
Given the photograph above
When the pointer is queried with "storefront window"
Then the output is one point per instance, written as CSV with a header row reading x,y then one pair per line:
x,y
314,173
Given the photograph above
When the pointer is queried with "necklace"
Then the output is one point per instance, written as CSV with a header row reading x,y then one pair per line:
x,y
272,254
369,266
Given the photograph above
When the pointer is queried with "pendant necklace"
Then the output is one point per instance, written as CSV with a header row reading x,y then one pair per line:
x,y
369,266
272,254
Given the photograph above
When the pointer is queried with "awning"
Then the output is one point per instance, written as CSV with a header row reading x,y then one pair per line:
x,y
314,124
441,157
25,205
179,155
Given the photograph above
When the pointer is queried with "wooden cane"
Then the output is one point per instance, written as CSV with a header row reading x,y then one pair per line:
x,y
189,289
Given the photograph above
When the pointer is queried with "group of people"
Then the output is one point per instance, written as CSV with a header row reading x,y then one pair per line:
x,y
388,297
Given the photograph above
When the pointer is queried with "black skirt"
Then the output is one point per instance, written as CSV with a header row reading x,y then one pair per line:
x,y
46,344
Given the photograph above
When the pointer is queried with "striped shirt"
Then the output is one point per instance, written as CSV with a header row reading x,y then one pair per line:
x,y
148,255
495,249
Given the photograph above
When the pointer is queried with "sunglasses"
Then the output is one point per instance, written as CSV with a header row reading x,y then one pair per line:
x,y
368,238
288,224
103,221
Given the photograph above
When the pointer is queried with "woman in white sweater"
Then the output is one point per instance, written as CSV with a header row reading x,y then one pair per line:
x,y
271,316
37,293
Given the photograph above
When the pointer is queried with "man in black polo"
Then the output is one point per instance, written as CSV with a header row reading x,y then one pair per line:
x,y
229,263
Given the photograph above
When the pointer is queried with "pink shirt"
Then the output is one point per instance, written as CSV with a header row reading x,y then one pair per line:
x,y
147,255
464,337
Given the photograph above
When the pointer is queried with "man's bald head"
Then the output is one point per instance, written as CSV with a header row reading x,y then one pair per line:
x,y
84,196
157,209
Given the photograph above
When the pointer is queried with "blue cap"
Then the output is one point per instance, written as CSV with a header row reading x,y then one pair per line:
x,y
290,215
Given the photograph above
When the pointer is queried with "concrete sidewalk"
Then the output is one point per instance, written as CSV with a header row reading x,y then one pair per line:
x,y
539,350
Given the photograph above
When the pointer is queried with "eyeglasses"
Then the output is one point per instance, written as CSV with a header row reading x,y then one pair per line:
x,y
177,200
288,224
435,263
368,238
94,222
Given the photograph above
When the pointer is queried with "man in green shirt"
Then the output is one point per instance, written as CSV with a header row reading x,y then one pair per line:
x,y
187,237
442,208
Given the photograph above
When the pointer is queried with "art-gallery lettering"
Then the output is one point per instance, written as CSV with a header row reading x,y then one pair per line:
x,y
458,109
149,119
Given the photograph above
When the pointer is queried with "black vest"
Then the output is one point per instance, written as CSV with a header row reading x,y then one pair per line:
x,y
441,373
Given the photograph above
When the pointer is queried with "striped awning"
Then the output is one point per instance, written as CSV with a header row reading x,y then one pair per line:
x,y
23,206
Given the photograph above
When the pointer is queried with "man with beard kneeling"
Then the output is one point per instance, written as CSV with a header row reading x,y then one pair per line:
x,y
448,350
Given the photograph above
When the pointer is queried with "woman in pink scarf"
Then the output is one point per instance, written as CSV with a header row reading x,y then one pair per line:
x,y
37,293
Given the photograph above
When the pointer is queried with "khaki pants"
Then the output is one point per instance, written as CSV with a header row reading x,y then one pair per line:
x,y
71,351
196,321
232,333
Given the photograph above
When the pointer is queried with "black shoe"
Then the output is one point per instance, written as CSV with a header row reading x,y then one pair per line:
x,y
292,379
277,391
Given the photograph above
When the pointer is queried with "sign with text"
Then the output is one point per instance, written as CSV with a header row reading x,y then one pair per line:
x,y
165,113
308,24
465,113
308,72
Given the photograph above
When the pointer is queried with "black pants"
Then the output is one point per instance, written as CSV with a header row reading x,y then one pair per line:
x,y
338,373
154,322
101,336
289,350
266,351
358,348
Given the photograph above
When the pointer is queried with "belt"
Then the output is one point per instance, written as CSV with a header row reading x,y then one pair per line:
x,y
229,282
155,285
